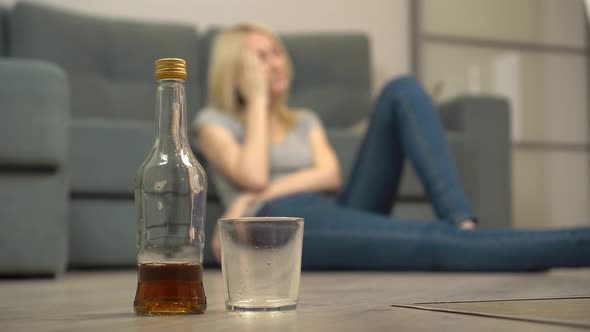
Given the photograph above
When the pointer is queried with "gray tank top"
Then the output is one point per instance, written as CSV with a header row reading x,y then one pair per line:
x,y
291,155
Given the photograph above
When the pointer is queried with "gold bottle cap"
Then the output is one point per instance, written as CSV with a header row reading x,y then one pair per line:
x,y
170,68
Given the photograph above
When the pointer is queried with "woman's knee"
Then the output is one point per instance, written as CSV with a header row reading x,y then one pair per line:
x,y
401,84
388,103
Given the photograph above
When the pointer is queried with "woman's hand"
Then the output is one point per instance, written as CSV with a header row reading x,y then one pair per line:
x,y
238,208
252,83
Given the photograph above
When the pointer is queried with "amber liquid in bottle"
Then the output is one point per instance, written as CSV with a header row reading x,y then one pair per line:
x,y
164,289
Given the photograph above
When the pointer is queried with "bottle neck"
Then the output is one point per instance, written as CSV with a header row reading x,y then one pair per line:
x,y
171,126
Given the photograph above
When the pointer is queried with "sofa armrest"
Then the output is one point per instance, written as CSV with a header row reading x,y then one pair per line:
x,y
34,114
484,122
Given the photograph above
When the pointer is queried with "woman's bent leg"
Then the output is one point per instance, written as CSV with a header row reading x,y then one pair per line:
x,y
403,124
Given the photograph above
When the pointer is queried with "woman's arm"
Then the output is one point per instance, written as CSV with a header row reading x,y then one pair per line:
x,y
246,164
324,175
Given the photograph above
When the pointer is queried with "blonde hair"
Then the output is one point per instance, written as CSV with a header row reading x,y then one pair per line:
x,y
224,62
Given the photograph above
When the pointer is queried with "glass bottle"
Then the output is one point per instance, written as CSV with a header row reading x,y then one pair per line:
x,y
170,194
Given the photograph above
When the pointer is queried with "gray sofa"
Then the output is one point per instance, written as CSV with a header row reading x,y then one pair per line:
x,y
33,211
110,91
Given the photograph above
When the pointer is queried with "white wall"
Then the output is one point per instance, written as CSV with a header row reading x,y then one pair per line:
x,y
548,94
385,21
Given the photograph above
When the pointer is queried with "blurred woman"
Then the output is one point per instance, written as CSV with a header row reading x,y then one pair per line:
x,y
272,160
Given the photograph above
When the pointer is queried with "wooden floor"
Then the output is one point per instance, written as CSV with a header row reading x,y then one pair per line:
x,y
337,301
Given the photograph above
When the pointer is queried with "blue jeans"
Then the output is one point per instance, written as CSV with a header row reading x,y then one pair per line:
x,y
354,230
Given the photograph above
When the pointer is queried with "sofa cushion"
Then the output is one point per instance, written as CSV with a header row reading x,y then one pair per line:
x,y
33,219
105,155
96,222
34,113
332,76
110,63
102,233
345,144
205,42
3,32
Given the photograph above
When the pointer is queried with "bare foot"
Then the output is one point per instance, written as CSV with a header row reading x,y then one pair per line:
x,y
467,225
